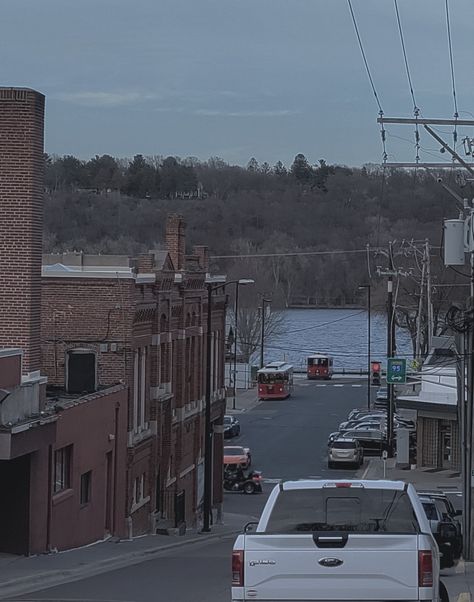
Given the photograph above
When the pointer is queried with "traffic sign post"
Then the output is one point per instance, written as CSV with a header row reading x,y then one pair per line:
x,y
396,371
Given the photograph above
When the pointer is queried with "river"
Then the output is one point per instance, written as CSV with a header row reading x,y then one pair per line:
x,y
341,333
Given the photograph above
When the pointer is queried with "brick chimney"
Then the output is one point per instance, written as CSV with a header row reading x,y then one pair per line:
x,y
176,240
202,252
21,221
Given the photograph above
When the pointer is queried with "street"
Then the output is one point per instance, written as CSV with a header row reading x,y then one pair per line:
x,y
288,441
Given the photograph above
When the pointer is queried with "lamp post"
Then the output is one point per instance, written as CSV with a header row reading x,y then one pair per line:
x,y
262,336
213,283
243,282
362,287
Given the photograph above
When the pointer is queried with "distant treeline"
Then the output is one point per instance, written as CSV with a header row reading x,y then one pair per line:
x,y
114,205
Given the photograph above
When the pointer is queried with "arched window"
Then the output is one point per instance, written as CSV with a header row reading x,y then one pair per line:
x,y
81,371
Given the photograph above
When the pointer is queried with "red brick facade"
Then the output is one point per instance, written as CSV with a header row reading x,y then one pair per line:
x,y
146,329
21,220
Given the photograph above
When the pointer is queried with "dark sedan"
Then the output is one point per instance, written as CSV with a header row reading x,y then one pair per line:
x,y
231,427
372,441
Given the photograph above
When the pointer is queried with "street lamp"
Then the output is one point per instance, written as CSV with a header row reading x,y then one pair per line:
x,y
362,287
241,282
262,338
213,283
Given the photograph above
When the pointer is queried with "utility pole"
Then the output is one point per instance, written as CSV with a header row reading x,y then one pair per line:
x,y
262,335
390,349
420,312
428,294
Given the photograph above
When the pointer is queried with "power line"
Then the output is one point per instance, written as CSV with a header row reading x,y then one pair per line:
x,y
416,110
371,80
451,62
364,56
407,68
291,254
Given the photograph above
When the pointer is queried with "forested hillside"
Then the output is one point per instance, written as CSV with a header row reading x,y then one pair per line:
x,y
119,206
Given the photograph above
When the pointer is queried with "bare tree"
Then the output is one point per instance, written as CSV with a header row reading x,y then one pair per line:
x,y
249,329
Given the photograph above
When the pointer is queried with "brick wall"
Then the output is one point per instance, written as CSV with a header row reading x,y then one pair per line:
x,y
21,220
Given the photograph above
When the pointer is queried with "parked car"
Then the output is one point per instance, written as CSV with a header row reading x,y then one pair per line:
x,y
237,455
351,424
231,427
363,413
445,530
373,441
447,505
333,436
382,394
345,451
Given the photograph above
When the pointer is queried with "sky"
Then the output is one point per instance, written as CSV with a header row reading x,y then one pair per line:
x,y
237,78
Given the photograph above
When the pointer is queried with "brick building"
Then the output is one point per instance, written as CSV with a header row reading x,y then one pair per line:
x,y
142,322
101,371
62,459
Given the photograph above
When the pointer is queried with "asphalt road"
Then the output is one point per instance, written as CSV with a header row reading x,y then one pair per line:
x,y
288,441
288,438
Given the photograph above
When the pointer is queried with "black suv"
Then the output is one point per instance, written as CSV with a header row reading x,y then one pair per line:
x,y
231,427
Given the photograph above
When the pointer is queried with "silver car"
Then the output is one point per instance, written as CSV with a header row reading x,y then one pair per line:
x,y
345,451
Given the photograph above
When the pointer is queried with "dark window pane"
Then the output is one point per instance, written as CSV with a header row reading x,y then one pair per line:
x,y
86,480
343,509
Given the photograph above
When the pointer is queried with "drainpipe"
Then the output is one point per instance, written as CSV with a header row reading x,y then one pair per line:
x,y
50,496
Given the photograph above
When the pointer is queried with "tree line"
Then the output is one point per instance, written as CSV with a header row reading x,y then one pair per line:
x,y
299,216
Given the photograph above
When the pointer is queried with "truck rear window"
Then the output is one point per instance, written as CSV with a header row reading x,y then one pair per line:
x,y
343,510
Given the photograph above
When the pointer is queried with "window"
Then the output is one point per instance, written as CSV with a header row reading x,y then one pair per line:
x,y
139,388
343,509
139,489
86,482
62,469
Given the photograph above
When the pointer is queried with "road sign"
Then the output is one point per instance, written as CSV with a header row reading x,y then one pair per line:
x,y
396,371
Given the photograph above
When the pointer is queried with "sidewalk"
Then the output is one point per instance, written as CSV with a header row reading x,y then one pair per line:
x,y
459,580
245,400
422,478
21,575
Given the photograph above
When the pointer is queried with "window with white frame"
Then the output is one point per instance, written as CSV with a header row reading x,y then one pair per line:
x,y
139,388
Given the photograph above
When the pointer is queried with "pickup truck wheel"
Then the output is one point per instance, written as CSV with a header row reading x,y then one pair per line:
x,y
249,488
443,592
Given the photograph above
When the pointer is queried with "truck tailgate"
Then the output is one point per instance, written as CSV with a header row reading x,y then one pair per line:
x,y
329,567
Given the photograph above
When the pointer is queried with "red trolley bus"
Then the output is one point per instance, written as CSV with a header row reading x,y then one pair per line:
x,y
275,381
319,366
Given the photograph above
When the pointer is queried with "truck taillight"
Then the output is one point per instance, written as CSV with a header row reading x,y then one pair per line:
x,y
238,568
425,568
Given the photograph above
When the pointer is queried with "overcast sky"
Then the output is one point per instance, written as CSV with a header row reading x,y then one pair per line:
x,y
235,78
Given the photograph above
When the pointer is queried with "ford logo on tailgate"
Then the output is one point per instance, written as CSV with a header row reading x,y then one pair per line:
x,y
330,562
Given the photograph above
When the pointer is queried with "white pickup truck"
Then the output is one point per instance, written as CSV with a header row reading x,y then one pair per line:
x,y
338,540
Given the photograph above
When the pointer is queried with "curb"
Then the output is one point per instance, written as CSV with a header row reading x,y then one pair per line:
x,y
25,585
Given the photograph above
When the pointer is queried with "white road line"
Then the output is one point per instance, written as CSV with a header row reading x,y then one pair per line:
x,y
464,597
272,481
322,385
364,474
356,385
338,385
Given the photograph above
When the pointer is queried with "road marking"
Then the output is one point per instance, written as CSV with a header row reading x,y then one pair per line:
x,y
272,481
364,474
356,385
323,385
464,597
338,385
